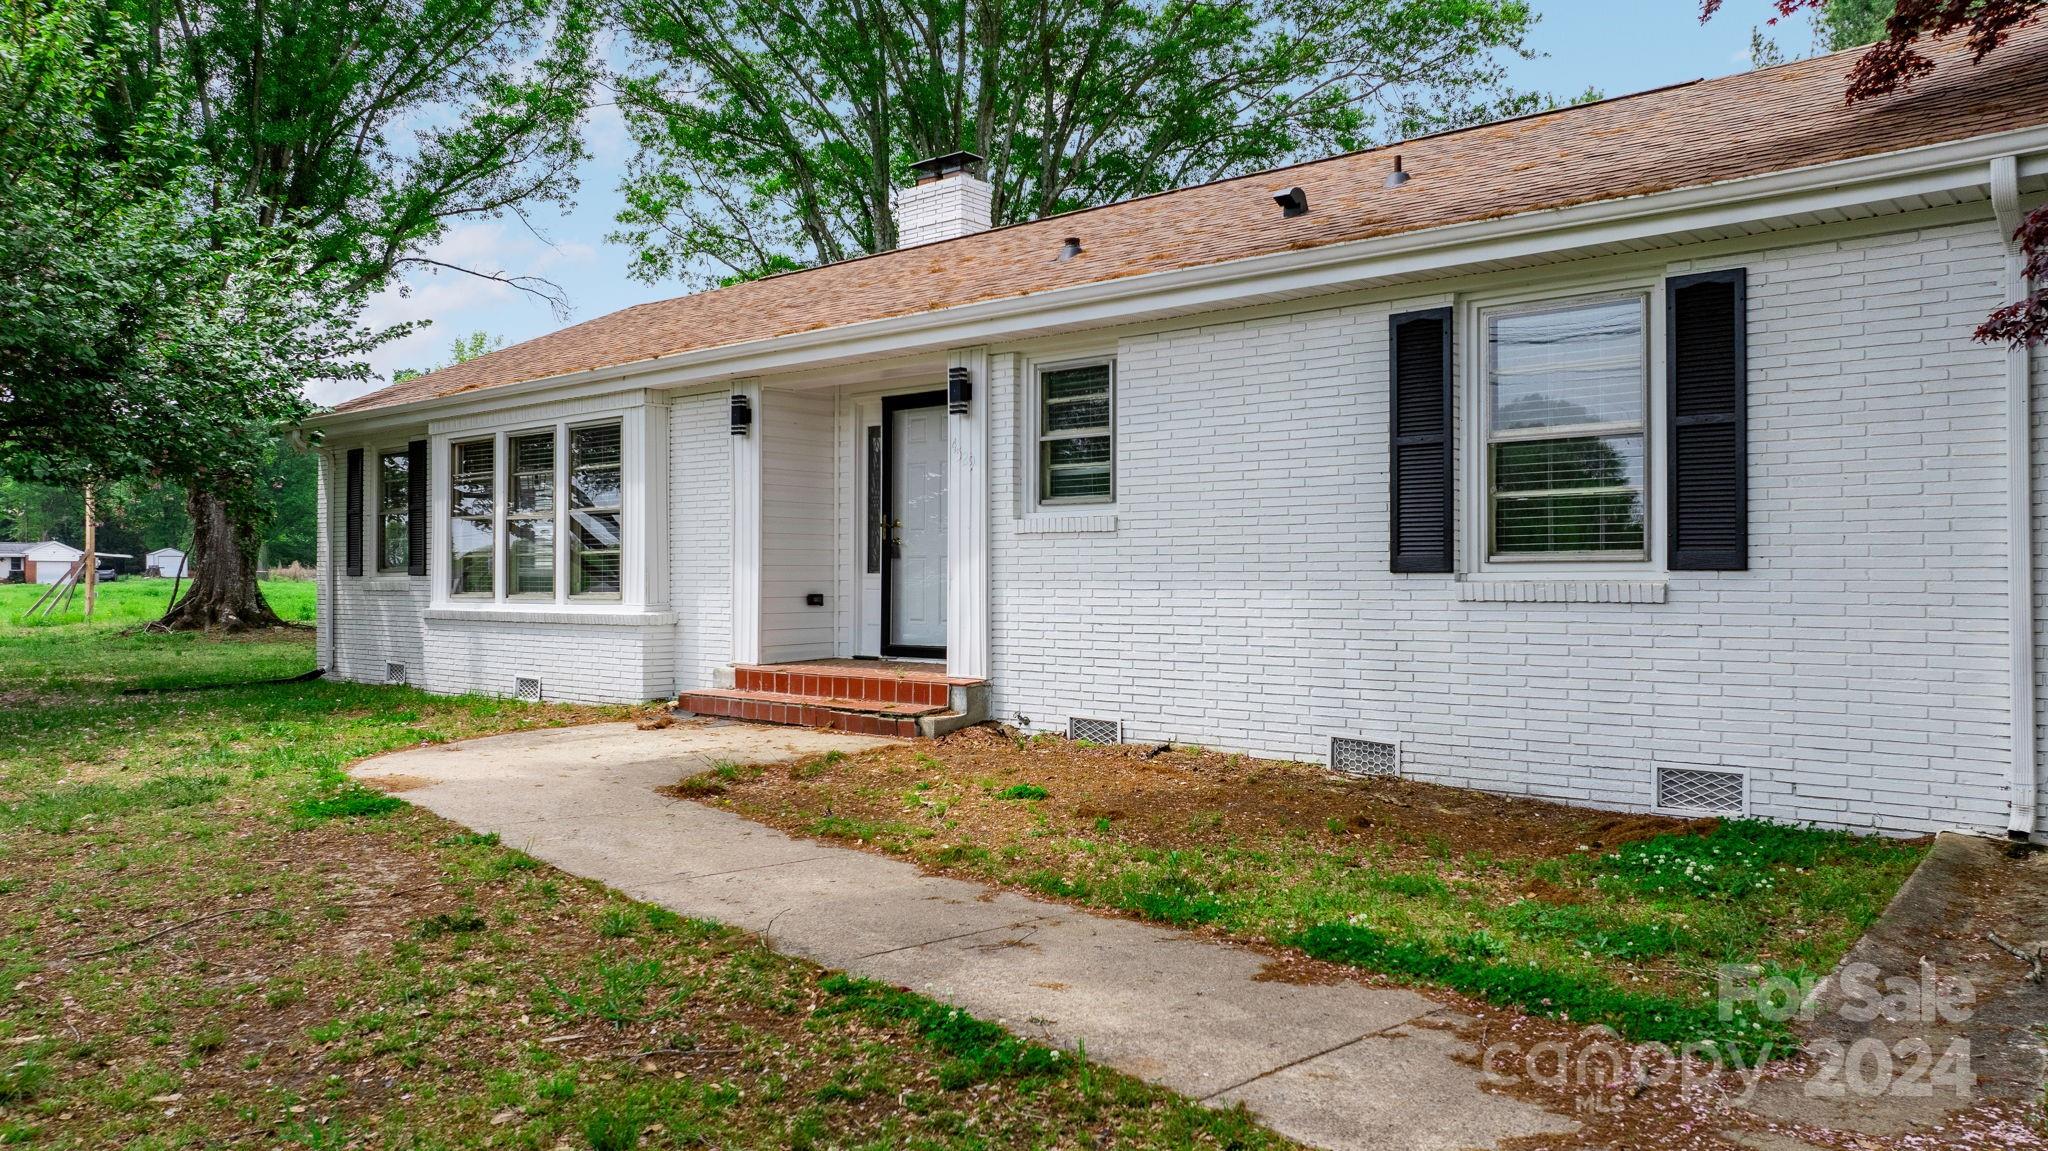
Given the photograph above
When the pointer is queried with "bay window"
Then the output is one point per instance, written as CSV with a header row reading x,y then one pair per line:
x,y
1565,421
556,504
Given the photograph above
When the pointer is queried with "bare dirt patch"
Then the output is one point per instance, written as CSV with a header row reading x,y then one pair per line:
x,y
969,805
397,783
1191,797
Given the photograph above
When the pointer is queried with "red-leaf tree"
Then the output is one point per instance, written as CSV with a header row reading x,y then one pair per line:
x,y
1894,62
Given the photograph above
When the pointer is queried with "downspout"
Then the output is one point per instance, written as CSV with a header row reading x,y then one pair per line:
x,y
2019,465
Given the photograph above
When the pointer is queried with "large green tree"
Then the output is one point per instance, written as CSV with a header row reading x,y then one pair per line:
x,y
772,133
1898,31
330,144
372,126
151,326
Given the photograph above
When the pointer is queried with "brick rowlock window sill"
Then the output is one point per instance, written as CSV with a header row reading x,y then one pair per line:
x,y
1046,523
1561,591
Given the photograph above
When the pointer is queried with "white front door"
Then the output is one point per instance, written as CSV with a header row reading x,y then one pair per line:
x,y
914,563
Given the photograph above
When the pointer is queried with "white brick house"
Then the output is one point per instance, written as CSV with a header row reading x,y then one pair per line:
x,y
1700,496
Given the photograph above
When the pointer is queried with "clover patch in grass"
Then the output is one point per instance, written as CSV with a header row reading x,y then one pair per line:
x,y
1022,791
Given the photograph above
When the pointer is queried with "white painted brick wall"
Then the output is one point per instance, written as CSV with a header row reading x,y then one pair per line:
x,y
1244,600
700,535
958,205
373,619
575,662
377,620
323,556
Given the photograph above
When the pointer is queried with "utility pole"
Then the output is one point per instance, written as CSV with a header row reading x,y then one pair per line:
x,y
92,555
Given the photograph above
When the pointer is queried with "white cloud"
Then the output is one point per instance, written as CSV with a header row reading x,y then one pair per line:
x,y
455,303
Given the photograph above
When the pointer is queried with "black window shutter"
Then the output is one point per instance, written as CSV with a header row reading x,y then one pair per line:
x,y
416,508
1708,429
352,500
1419,458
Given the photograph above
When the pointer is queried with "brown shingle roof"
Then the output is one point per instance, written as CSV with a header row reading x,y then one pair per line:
x,y
1790,116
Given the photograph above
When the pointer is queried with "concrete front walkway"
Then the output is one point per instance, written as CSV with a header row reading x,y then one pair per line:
x,y
1340,1065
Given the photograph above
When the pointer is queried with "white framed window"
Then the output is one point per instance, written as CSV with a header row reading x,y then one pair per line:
x,y
596,506
530,516
1564,420
394,512
1073,421
558,532
473,519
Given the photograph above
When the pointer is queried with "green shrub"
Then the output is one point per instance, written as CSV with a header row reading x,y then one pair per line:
x,y
1022,791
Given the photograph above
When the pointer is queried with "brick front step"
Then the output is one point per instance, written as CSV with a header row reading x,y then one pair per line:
x,y
879,683
861,717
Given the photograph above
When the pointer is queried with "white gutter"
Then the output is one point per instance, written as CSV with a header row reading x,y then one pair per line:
x,y
2019,471
1930,169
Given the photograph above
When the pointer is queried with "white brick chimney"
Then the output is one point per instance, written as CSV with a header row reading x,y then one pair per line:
x,y
949,199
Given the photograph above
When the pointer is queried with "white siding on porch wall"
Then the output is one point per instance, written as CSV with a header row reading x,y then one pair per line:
x,y
799,532
1243,600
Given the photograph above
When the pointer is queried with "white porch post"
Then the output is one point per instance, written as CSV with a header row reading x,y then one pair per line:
x,y
967,568
746,531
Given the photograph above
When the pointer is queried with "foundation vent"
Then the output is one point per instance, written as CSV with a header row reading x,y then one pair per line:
x,y
1702,791
1095,730
526,689
394,673
1353,756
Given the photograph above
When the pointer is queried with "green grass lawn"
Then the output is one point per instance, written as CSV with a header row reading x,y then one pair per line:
x,y
212,938
137,601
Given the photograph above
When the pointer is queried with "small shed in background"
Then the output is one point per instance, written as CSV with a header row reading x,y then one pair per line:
x,y
165,562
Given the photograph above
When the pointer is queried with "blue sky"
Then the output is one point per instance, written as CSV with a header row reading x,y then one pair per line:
x,y
1617,46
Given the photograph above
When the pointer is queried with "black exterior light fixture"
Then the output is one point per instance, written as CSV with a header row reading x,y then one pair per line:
x,y
1293,202
1397,177
1069,249
959,390
742,414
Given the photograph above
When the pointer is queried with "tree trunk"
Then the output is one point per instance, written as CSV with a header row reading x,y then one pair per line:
x,y
224,595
